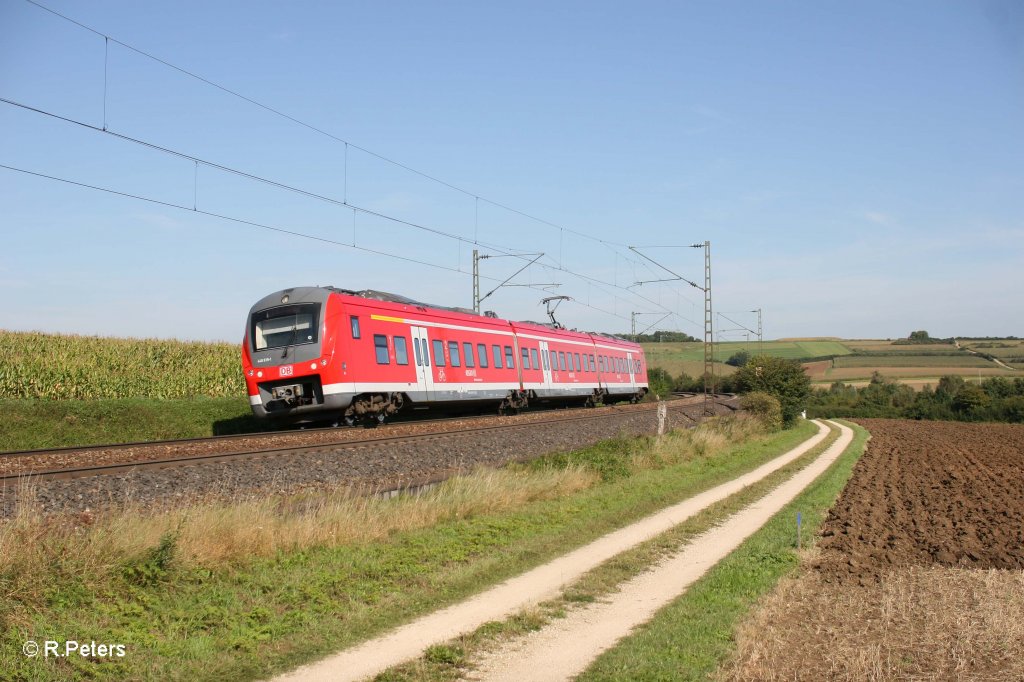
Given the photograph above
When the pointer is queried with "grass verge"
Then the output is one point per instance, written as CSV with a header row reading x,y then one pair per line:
x,y
34,424
592,586
237,617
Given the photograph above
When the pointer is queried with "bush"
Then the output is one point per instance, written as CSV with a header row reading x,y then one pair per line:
x,y
783,379
765,407
659,381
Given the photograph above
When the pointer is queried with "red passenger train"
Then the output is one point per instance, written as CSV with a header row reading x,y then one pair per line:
x,y
322,353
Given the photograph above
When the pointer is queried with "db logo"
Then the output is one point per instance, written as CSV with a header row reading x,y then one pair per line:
x,y
286,370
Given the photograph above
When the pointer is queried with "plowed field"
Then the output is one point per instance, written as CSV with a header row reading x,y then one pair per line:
x,y
919,574
929,493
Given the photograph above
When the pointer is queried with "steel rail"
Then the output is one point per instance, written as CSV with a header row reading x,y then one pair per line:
x,y
169,462
284,433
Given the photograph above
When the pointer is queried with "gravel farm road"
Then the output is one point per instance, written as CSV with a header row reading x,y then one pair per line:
x,y
585,633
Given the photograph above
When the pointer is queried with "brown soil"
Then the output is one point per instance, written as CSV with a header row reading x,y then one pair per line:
x,y
928,493
920,573
817,370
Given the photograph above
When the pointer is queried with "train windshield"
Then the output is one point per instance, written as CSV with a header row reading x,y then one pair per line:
x,y
286,325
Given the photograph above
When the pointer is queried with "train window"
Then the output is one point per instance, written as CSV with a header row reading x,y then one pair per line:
x,y
426,355
380,347
601,363
401,350
496,352
438,353
416,351
481,352
576,359
510,359
554,360
561,360
593,365
526,357
453,353
533,356
354,321
544,357
286,325
467,352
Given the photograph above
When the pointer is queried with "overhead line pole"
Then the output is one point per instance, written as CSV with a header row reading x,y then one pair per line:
x,y
709,339
760,338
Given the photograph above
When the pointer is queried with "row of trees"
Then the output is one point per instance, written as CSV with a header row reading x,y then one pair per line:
x,y
994,399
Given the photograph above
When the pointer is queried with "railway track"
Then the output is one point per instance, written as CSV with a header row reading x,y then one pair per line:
x,y
374,437
374,461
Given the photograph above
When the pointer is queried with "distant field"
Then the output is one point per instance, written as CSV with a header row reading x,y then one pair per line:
x,y
792,350
909,360
915,365
694,368
886,346
864,373
1009,351
1000,349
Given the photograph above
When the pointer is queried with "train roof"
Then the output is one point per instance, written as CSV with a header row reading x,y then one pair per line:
x,y
387,297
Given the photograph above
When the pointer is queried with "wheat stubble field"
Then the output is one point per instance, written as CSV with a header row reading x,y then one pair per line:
x,y
919,573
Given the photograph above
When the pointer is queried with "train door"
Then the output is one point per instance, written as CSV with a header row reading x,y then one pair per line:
x,y
421,353
632,370
545,364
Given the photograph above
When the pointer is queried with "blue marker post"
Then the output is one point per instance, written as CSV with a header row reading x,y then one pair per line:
x,y
798,531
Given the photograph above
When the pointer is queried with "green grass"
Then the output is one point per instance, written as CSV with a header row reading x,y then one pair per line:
x,y
33,424
690,638
595,584
257,617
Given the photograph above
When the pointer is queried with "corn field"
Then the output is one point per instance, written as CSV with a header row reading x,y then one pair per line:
x,y
56,367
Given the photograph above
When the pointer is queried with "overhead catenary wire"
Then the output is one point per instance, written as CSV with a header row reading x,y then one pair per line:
x,y
610,244
285,187
319,130
264,226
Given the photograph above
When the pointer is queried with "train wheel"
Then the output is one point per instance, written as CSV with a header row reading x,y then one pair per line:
x,y
350,420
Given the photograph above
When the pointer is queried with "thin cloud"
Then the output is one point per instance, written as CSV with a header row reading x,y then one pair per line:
x,y
880,218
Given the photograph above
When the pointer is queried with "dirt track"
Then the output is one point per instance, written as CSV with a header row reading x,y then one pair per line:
x,y
929,493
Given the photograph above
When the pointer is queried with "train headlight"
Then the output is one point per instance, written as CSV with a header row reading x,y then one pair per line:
x,y
323,362
250,372
312,365
260,373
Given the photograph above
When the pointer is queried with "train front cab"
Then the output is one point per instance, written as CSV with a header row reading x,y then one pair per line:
x,y
288,355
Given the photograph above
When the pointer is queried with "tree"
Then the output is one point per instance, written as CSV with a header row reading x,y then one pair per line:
x,y
969,400
920,336
784,379
738,359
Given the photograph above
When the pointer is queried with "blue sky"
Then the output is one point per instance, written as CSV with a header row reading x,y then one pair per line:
x,y
857,167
